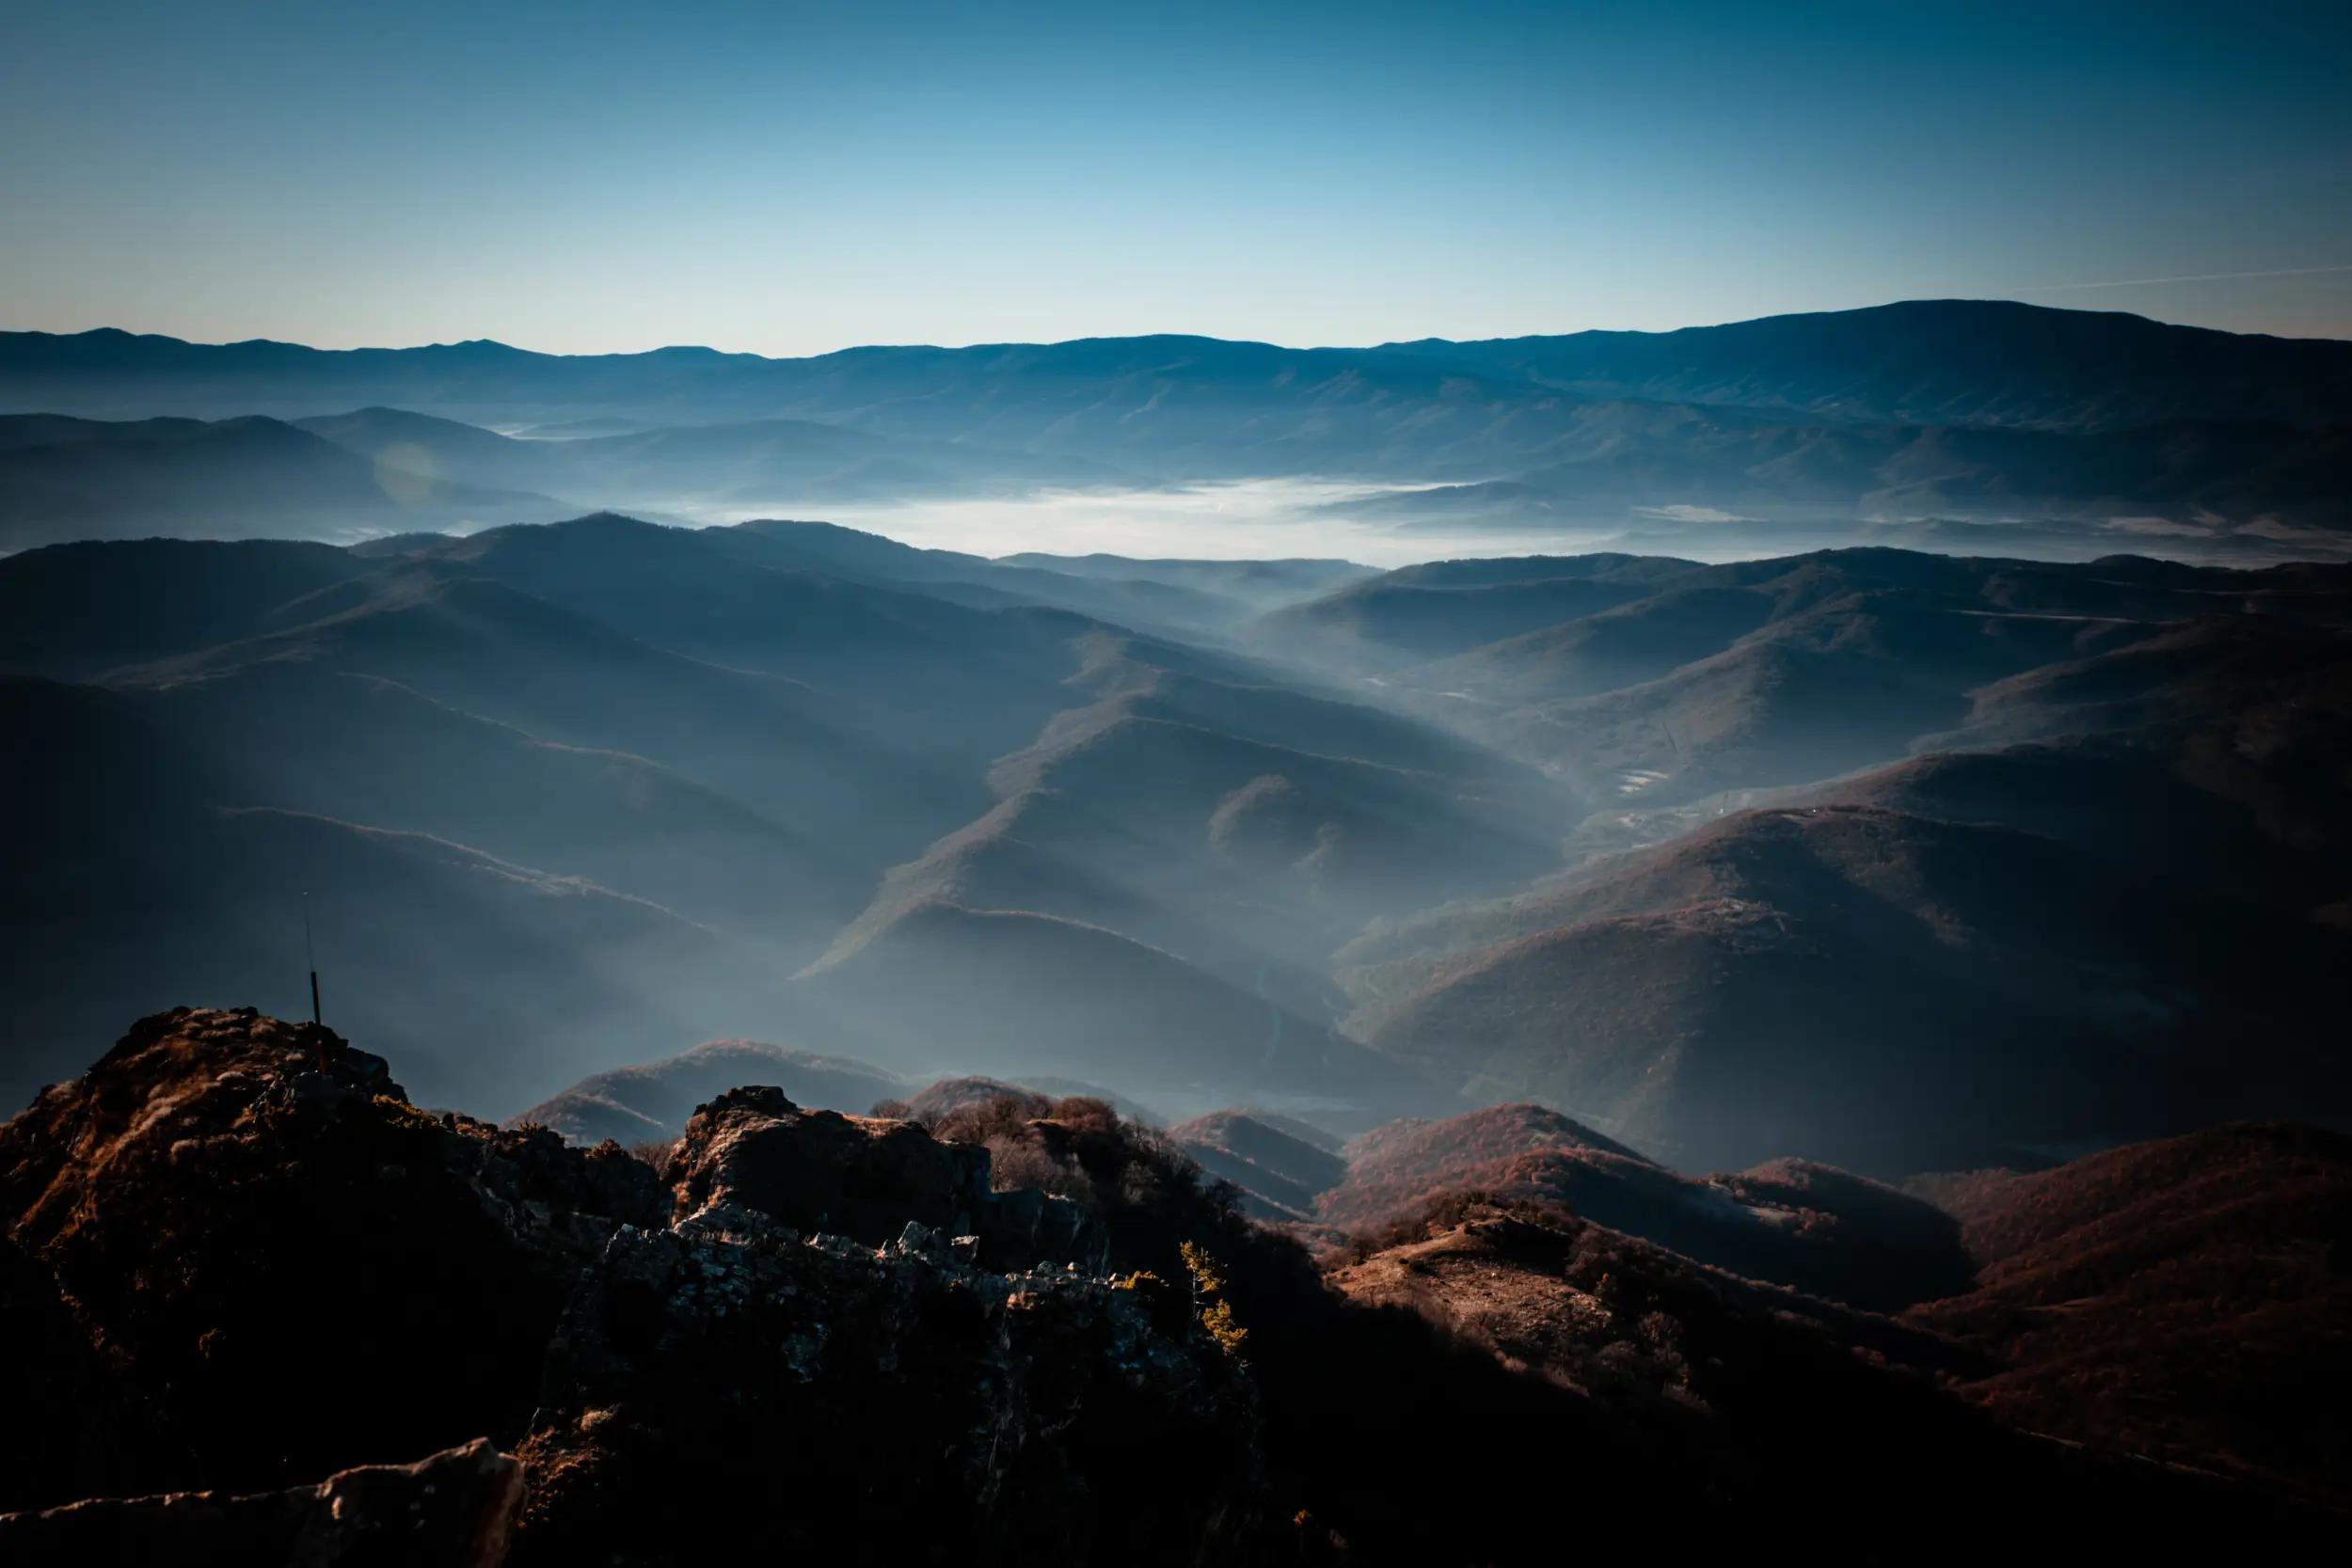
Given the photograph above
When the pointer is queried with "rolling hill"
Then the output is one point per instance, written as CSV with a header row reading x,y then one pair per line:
x,y
139,875
1789,1222
1279,1165
1773,1388
2205,482
1788,670
698,468
65,479
938,987
652,1101
1952,361
1248,829
2184,1299
1881,992
790,781
708,726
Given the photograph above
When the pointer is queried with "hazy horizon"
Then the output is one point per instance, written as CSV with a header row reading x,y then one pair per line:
x,y
796,178
1601,326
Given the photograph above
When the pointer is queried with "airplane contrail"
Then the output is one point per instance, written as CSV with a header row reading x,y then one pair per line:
x,y
2188,277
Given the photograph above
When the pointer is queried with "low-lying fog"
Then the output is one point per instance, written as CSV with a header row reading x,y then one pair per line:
x,y
1275,518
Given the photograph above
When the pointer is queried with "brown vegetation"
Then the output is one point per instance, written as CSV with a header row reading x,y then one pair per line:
x,y
1809,1227
785,1343
2189,1299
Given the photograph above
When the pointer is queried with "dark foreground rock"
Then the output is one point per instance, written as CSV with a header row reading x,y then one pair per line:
x,y
904,1403
297,1269
238,1265
73,1425
237,1260
454,1510
865,1177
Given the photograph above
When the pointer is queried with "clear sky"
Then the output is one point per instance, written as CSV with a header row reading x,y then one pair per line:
x,y
791,179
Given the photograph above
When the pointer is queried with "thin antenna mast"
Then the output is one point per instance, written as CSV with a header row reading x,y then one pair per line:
x,y
309,953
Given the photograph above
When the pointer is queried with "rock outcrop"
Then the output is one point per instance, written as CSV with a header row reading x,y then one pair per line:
x,y
866,1177
246,1263
301,1270
240,1271
819,1170
453,1510
729,1384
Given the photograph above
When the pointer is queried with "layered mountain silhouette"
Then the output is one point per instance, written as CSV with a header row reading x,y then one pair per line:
x,y
650,1101
1987,412
1401,846
700,467
66,478
1702,678
2111,1288
1921,361
1920,994
677,765
2187,476
1948,362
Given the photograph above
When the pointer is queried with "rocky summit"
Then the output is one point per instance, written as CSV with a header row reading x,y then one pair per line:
x,y
263,1309
256,1263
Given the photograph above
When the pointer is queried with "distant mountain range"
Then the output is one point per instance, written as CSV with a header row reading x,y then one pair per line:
x,y
1957,362
1974,410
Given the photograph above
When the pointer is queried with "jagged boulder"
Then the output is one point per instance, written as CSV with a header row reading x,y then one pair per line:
x,y
865,1177
299,1269
729,1388
819,1170
453,1510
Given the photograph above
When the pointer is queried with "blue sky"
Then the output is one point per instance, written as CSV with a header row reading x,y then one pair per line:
x,y
788,179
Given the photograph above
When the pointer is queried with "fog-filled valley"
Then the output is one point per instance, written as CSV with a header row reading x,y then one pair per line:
x,y
1669,889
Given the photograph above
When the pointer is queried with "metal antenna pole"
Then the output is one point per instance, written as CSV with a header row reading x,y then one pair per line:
x,y
310,952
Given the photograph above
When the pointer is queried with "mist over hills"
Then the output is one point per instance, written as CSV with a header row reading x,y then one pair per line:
x,y
909,809
2183,475
700,467
1699,679
707,729
2041,1001
64,479
2058,428
1628,996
